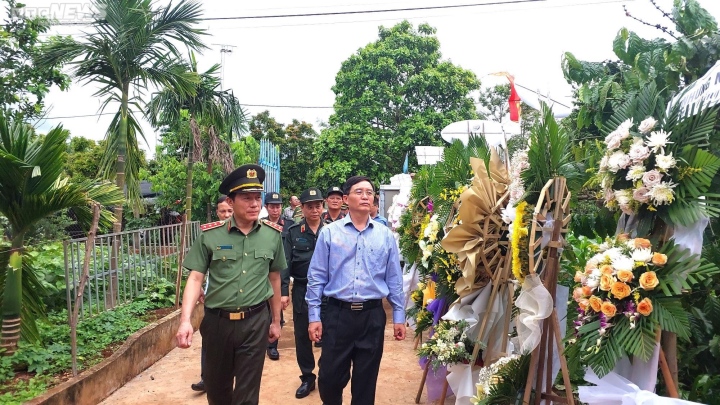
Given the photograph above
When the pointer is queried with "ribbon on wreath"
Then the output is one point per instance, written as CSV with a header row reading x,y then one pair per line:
x,y
614,389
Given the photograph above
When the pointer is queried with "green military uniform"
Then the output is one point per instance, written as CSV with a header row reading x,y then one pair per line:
x,y
299,246
237,320
297,214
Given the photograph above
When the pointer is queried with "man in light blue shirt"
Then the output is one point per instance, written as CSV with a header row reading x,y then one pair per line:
x,y
375,212
355,264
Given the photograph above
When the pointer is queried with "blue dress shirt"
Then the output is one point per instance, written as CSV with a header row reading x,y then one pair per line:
x,y
355,266
381,219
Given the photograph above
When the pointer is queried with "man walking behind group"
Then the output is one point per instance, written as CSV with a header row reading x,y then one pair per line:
x,y
355,264
294,203
244,257
299,246
273,205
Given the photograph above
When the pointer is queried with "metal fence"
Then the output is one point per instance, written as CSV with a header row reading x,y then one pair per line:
x,y
123,264
270,161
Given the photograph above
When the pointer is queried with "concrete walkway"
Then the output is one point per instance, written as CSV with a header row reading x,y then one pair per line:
x,y
168,381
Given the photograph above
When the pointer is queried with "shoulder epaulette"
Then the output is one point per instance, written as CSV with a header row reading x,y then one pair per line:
x,y
211,225
272,225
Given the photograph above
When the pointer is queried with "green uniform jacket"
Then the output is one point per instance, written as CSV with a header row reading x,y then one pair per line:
x,y
299,247
238,264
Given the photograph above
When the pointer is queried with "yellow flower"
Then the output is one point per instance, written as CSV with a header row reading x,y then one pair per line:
x,y
517,234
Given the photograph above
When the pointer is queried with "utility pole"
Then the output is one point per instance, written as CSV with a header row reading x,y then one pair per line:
x,y
224,49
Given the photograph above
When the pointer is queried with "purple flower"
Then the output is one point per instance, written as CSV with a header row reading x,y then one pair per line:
x,y
430,206
603,321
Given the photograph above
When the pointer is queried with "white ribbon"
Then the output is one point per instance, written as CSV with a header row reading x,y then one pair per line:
x,y
535,304
462,380
410,282
616,390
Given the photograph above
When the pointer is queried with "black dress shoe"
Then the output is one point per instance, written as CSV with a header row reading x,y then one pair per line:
x,y
199,386
273,353
305,388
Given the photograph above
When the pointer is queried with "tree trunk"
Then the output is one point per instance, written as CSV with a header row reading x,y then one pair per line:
x,y
12,298
111,300
194,134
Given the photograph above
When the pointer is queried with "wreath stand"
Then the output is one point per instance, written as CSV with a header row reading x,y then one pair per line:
x,y
500,259
554,198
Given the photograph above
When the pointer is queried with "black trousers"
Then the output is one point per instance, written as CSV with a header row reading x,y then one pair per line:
x,y
235,354
303,344
351,338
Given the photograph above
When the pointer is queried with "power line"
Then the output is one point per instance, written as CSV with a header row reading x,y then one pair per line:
x,y
333,13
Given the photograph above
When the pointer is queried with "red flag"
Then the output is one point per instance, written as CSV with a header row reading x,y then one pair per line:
x,y
514,101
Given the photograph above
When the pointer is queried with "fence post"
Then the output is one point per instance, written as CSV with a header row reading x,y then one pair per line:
x,y
181,257
89,247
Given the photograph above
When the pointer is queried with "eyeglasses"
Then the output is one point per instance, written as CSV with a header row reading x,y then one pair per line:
x,y
360,193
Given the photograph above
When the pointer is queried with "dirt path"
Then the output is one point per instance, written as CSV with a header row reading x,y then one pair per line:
x,y
168,381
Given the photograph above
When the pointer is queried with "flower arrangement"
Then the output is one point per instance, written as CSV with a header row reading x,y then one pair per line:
x,y
626,292
636,171
488,377
518,163
448,345
502,382
429,230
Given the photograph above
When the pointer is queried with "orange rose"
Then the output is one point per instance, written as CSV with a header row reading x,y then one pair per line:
x,y
659,259
620,290
595,303
608,309
579,276
583,304
645,307
649,280
623,237
607,269
589,268
625,275
641,243
606,282
587,291
577,294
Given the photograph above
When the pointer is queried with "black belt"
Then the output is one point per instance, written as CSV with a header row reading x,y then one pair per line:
x,y
355,306
238,316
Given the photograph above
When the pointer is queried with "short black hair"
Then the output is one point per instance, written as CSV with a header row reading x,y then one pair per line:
x,y
351,181
376,201
221,199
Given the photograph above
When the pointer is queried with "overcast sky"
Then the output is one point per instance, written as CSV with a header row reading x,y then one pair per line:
x,y
293,61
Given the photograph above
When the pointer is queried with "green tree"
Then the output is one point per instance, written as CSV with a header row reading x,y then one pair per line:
x,y
133,46
494,102
84,157
33,188
602,87
263,125
390,96
24,83
219,110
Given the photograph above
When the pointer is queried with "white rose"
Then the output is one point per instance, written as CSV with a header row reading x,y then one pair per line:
x,y
593,282
638,152
647,125
640,194
665,162
609,195
617,161
613,141
652,178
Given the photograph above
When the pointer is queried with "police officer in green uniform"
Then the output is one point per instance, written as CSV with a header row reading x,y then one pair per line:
x,y
299,246
244,257
273,205
334,200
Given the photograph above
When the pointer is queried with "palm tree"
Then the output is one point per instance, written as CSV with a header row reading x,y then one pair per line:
x,y
133,46
219,109
33,187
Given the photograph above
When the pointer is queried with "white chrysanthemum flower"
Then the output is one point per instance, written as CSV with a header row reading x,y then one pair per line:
x,y
662,193
618,160
658,140
603,247
623,196
647,125
604,163
642,255
598,259
624,129
665,162
635,172
623,263
613,253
